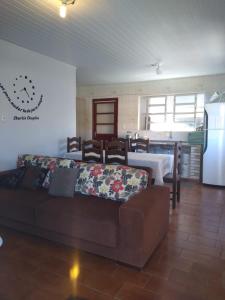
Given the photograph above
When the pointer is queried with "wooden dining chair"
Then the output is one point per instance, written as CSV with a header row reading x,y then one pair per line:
x,y
73,144
139,145
121,139
116,152
175,177
92,151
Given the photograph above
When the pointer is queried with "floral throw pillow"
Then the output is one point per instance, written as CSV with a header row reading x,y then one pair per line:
x,y
113,182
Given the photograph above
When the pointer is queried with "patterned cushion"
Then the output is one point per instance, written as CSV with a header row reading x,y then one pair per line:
x,y
46,162
113,182
13,179
66,163
29,160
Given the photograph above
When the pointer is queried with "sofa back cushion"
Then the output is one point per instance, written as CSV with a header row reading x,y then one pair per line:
x,y
63,182
13,179
115,182
33,178
46,162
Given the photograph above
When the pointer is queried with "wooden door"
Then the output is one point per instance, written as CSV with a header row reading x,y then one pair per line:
x,y
105,119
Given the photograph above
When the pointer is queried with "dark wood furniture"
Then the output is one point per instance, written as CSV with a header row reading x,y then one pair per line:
x,y
116,152
92,151
175,177
123,140
73,144
139,145
105,119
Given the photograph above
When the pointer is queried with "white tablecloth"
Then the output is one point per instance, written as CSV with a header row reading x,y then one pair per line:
x,y
161,164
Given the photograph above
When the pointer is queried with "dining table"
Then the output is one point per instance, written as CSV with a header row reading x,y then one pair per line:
x,y
161,164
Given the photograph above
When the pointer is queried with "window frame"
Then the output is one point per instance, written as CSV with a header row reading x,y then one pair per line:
x,y
147,115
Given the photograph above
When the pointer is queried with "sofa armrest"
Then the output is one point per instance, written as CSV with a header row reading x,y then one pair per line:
x,y
7,172
143,222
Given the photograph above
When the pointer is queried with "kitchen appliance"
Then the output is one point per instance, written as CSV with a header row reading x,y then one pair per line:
x,y
214,144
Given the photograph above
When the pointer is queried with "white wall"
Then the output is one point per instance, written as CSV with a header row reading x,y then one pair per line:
x,y
56,81
129,94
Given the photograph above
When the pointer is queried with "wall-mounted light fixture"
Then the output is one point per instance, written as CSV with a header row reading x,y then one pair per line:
x,y
63,7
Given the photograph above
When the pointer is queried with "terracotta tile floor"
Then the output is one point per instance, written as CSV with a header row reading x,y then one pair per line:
x,y
188,265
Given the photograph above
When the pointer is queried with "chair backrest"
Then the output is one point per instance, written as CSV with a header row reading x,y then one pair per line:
x,y
120,139
73,144
116,152
92,151
177,160
139,145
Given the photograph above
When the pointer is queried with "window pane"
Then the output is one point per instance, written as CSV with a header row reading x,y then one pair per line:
x,y
169,118
105,118
200,102
170,104
185,99
157,100
157,118
183,127
199,119
159,127
105,107
184,118
156,109
105,129
184,108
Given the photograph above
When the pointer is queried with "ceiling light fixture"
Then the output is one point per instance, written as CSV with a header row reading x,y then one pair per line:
x,y
157,67
63,7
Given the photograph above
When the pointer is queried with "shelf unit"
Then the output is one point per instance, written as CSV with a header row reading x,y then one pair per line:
x,y
191,157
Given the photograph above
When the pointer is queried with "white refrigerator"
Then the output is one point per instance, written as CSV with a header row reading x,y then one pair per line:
x,y
214,145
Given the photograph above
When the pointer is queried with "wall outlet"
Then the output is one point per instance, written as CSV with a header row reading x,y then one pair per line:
x,y
3,118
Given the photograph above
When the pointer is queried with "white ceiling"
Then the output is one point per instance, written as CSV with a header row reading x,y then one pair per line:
x,y
113,41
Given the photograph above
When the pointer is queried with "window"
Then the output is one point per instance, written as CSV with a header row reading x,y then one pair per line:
x,y
172,113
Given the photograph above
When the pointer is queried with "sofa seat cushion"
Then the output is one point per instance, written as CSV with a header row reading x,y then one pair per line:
x,y
20,204
84,217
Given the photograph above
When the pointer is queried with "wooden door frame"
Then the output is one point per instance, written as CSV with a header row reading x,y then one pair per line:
x,y
104,100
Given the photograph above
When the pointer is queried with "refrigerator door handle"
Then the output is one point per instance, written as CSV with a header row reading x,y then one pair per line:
x,y
206,132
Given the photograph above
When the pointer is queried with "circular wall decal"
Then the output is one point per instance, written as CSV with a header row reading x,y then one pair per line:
x,y
25,96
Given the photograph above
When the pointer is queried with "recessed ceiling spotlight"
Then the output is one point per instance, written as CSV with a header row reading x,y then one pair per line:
x,y
63,7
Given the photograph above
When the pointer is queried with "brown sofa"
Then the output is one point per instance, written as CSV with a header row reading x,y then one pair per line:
x,y
127,232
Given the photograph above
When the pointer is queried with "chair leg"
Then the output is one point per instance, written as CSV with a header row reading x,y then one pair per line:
x,y
174,196
178,191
